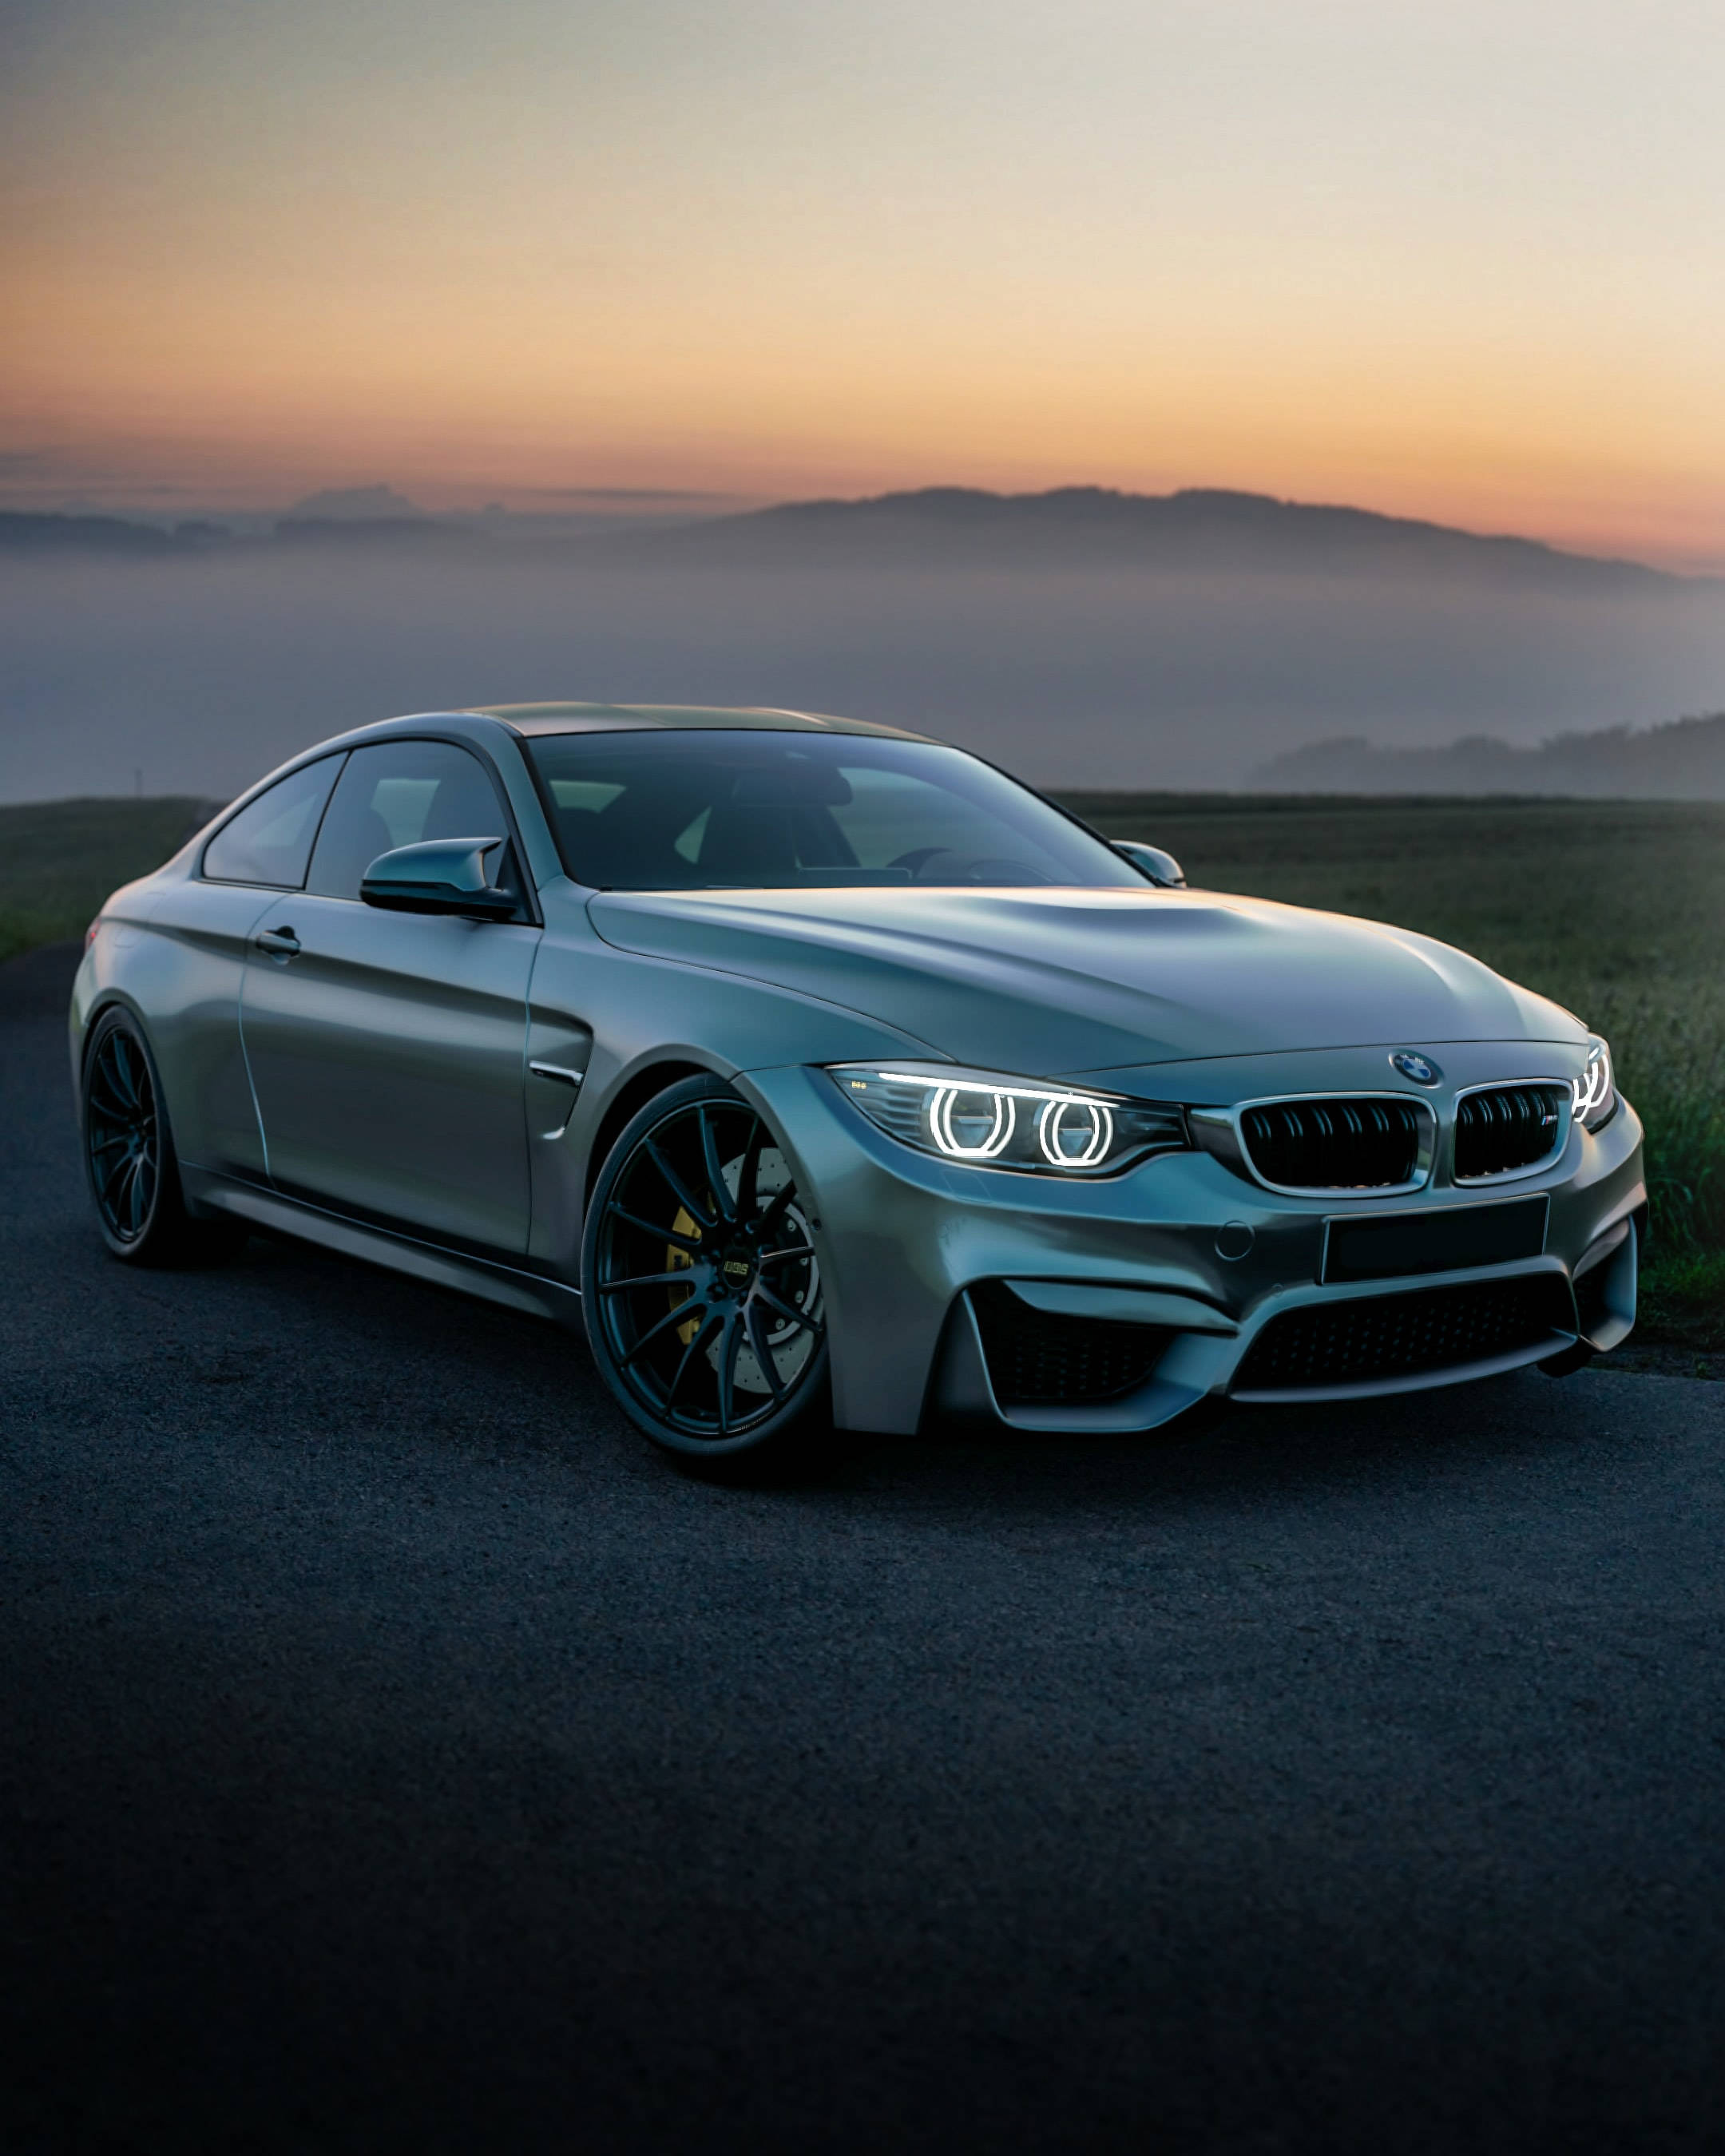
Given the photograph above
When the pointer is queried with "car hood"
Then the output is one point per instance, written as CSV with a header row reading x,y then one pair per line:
x,y
1048,980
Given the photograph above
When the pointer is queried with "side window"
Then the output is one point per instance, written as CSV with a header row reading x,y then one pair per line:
x,y
269,842
396,793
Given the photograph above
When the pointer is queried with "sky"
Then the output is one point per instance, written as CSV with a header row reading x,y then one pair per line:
x,y
1462,260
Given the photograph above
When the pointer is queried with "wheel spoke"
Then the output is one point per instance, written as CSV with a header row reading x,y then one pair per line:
x,y
679,1189
787,1312
679,1314
124,1075
102,1080
143,1191
749,1174
728,1348
98,1146
126,1203
715,1166
762,1352
652,1227
777,1210
114,1180
646,1280
689,1354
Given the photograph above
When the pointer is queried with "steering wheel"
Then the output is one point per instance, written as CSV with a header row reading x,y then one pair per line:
x,y
979,868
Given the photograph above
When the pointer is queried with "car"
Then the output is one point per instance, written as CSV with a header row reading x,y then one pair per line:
x,y
825,1075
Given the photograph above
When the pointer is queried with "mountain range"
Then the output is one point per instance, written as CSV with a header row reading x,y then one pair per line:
x,y
1195,530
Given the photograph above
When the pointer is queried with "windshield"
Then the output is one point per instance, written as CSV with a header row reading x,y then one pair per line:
x,y
701,811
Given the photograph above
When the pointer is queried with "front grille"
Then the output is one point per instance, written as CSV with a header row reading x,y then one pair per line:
x,y
1392,1336
1507,1128
1037,1358
1364,1144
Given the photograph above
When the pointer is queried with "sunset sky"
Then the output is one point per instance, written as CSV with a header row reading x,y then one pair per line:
x,y
1464,260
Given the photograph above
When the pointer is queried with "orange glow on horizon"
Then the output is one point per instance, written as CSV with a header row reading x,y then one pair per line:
x,y
1342,260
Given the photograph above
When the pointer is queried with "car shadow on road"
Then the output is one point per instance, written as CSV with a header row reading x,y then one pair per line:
x,y
326,1317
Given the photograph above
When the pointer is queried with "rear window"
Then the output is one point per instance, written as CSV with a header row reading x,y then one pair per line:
x,y
269,841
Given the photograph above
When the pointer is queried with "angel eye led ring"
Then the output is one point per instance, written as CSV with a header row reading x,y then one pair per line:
x,y
1591,1089
1050,1125
940,1115
1052,1120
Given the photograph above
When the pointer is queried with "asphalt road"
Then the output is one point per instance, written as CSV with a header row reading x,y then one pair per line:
x,y
394,1755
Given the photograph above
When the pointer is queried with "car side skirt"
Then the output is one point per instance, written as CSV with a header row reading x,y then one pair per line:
x,y
516,1290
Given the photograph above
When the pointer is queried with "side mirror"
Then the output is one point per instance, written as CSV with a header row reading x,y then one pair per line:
x,y
1151,863
442,875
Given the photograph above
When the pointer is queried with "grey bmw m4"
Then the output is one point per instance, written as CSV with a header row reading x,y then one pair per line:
x,y
826,1076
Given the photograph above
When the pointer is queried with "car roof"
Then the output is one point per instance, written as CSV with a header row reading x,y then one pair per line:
x,y
533,719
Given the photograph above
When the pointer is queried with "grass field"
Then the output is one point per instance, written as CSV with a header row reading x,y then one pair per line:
x,y
1617,909
59,861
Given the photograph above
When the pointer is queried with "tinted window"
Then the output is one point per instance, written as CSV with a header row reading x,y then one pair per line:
x,y
269,842
641,811
395,794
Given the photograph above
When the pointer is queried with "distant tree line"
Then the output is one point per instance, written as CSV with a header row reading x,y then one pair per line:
x,y
1682,760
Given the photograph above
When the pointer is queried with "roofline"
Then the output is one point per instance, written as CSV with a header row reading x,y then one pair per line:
x,y
529,721
477,722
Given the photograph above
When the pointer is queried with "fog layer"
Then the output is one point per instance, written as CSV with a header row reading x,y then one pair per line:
x,y
193,676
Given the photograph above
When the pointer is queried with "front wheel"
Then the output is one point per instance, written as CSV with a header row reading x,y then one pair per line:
x,y
700,1283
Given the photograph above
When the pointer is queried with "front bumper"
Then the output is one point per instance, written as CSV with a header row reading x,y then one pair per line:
x,y
910,1245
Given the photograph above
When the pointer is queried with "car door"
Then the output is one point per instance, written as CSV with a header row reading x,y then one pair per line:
x,y
387,1050
187,965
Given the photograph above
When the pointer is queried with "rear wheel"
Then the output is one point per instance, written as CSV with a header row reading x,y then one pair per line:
x,y
129,1155
701,1285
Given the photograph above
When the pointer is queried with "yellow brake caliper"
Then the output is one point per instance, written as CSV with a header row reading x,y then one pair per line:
x,y
677,1260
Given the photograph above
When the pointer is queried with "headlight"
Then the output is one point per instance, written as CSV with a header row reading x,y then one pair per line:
x,y
1595,1095
990,1121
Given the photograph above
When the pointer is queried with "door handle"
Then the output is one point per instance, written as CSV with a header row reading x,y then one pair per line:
x,y
278,943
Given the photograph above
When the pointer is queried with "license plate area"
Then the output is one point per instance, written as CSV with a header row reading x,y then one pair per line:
x,y
1393,1245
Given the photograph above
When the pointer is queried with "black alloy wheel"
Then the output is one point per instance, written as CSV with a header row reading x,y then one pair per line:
x,y
129,1155
122,1136
700,1283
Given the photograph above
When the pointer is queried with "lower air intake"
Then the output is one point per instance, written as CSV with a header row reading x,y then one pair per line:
x,y
1375,1337
1343,1144
1037,1358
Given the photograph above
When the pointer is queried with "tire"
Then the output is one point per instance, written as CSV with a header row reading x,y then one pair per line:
x,y
129,1158
695,1212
